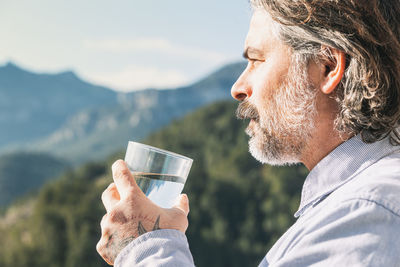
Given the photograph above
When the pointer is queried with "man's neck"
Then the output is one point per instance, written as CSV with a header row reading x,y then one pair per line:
x,y
325,138
319,148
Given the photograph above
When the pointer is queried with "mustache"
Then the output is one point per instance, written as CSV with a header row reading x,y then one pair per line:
x,y
246,110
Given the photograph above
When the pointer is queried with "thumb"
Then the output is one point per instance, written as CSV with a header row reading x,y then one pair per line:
x,y
183,204
123,179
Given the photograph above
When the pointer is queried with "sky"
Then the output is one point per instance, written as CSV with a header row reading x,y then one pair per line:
x,y
124,44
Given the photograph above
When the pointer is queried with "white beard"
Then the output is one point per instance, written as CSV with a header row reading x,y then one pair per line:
x,y
280,132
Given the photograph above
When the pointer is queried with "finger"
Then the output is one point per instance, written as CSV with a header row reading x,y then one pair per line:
x,y
101,248
110,197
103,225
123,179
183,204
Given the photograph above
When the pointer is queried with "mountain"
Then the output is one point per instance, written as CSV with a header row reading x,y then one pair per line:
x,y
46,115
238,207
22,172
35,105
94,133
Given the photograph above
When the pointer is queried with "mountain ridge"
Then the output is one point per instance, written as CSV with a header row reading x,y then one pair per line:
x,y
33,105
92,131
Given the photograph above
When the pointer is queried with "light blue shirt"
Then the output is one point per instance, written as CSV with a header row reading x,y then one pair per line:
x,y
349,215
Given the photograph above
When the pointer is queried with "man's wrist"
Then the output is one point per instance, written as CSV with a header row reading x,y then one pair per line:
x,y
152,240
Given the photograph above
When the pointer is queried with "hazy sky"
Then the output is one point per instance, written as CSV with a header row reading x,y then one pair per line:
x,y
124,44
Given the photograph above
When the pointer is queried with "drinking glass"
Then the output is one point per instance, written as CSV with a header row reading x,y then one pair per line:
x,y
159,173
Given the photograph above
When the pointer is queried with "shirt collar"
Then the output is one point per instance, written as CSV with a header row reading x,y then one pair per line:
x,y
339,167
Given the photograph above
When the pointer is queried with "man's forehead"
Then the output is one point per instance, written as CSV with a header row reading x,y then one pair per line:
x,y
261,34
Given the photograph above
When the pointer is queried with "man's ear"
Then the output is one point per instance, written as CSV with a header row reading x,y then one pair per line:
x,y
334,64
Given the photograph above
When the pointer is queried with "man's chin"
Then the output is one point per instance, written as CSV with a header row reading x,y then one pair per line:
x,y
269,153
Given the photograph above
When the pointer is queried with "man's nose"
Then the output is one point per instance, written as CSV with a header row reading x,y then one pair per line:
x,y
241,90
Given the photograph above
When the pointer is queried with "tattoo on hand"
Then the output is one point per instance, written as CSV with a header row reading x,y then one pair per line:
x,y
157,224
142,230
115,243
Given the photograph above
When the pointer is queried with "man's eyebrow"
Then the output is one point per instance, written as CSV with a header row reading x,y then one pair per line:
x,y
251,52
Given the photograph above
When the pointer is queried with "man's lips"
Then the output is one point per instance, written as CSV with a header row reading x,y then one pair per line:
x,y
253,123
250,128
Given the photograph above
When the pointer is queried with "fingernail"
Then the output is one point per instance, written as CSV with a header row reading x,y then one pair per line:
x,y
116,164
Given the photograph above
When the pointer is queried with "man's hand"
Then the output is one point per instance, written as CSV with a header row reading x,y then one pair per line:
x,y
130,214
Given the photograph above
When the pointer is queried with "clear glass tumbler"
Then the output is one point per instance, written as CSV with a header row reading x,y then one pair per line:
x,y
159,173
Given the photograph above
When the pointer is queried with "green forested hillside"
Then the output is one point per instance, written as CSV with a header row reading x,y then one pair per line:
x,y
22,172
238,207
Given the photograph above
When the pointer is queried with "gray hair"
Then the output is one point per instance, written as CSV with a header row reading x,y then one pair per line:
x,y
368,31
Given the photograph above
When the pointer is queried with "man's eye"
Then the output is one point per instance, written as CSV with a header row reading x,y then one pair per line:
x,y
255,61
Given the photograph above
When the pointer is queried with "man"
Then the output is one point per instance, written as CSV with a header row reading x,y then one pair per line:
x,y
322,87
